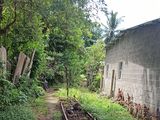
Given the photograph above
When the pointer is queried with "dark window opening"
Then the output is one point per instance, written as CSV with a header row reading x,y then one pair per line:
x,y
107,70
120,70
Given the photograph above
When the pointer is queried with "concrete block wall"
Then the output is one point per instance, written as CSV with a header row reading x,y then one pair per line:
x,y
139,50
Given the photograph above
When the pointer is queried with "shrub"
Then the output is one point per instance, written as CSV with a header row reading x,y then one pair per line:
x,y
8,93
95,84
17,113
30,87
13,95
38,91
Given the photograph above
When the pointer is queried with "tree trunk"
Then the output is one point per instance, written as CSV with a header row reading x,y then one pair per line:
x,y
67,81
1,10
31,63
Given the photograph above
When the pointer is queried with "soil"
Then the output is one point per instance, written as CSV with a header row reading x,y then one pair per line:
x,y
52,104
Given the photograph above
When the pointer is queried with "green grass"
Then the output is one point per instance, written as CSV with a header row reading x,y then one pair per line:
x,y
57,115
17,113
99,107
40,106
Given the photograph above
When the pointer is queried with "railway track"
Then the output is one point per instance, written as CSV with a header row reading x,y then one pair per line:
x,y
72,110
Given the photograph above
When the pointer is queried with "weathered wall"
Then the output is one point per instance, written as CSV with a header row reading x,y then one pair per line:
x,y
139,50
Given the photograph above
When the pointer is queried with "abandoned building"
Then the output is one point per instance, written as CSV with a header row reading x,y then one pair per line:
x,y
133,64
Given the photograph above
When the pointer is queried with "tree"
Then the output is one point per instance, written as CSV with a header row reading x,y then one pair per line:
x,y
112,23
57,29
70,29
94,63
25,34
66,38
95,33
5,27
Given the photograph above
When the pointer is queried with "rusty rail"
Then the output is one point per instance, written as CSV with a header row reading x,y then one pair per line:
x,y
90,115
64,113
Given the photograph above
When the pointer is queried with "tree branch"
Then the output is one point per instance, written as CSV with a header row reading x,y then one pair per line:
x,y
7,27
1,9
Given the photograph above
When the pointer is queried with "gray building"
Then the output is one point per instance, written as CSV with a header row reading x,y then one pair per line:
x,y
133,64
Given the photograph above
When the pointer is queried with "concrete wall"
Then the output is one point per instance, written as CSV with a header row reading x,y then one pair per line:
x,y
139,50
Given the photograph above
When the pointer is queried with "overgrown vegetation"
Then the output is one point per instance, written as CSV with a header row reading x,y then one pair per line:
x,y
11,94
100,107
57,115
68,44
62,34
94,63
13,98
17,113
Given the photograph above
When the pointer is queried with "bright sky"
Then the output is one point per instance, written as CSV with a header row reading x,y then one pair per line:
x,y
135,11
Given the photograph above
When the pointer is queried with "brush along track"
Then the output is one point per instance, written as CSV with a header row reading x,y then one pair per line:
x,y
72,110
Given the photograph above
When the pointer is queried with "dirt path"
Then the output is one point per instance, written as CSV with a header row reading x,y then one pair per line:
x,y
52,104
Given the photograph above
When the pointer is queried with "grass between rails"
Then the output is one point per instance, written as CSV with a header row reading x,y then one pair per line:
x,y
99,107
57,115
